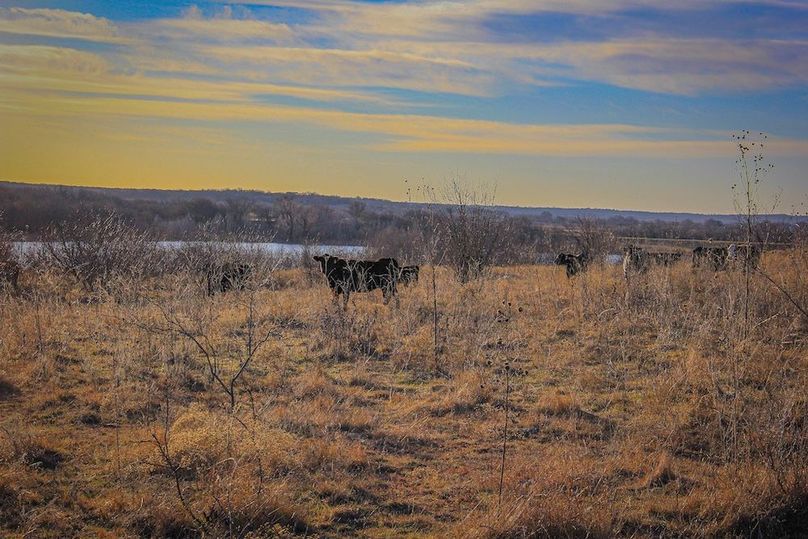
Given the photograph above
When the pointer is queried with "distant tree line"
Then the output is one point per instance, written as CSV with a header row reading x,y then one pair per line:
x,y
31,211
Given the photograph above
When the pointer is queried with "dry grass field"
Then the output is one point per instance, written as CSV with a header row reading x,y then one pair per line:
x,y
657,408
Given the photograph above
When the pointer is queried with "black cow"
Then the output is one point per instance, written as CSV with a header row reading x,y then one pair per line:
x,y
228,276
10,273
346,276
665,259
635,260
744,255
574,263
409,275
714,257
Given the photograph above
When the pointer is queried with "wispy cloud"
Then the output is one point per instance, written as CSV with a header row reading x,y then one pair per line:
x,y
428,47
58,23
221,26
676,66
419,134
39,69
227,65
359,68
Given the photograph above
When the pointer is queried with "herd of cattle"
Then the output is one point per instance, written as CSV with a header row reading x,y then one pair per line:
x,y
637,260
347,276
343,276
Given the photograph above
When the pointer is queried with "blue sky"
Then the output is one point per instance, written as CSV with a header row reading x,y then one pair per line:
x,y
608,103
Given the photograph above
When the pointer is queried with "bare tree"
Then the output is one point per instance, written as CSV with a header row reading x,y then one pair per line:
x,y
227,356
9,265
96,250
592,238
287,211
751,174
472,231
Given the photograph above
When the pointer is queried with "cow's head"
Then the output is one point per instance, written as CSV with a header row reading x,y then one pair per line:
x,y
409,273
322,260
561,259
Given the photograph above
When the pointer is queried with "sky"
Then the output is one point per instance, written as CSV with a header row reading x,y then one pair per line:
x,y
627,104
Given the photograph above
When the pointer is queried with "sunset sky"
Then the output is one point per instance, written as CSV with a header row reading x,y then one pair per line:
x,y
572,103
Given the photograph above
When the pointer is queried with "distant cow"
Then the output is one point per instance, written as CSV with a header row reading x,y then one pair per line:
x,y
9,273
409,275
346,276
574,263
229,276
745,255
636,260
665,259
714,258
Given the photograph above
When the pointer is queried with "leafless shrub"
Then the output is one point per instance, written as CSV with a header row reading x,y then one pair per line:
x,y
9,263
99,249
472,233
405,245
222,487
593,238
204,260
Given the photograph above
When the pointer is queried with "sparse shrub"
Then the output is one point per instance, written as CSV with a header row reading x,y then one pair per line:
x,y
592,239
472,232
10,269
98,249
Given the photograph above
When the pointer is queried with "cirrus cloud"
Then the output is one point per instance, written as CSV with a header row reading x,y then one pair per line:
x,y
58,23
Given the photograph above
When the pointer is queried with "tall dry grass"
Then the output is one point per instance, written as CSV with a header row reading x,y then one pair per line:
x,y
647,408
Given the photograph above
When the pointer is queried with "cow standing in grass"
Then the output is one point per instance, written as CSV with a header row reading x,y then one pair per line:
x,y
409,275
574,263
636,260
346,276
229,276
10,273
714,258
665,259
744,256
9,268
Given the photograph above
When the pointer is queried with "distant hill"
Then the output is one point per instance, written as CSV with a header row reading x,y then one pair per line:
x,y
378,205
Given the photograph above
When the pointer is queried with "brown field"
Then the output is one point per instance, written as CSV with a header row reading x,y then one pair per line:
x,y
657,408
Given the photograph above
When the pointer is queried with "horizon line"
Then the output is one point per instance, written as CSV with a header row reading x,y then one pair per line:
x,y
387,200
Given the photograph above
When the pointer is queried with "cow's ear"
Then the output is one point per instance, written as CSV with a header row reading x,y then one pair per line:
x,y
317,258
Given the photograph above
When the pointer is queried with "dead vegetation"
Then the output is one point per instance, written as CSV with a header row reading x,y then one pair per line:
x,y
668,411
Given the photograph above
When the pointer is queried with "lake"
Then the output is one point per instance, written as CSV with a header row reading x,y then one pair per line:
x,y
283,250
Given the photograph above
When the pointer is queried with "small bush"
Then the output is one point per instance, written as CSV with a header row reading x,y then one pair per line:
x,y
98,250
